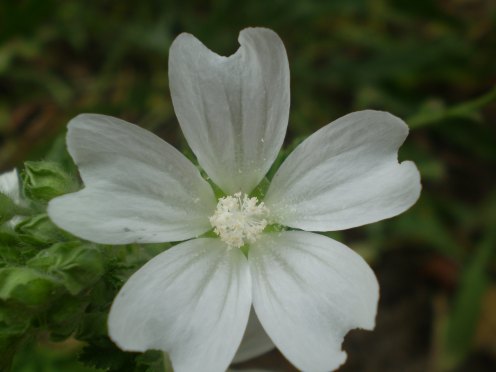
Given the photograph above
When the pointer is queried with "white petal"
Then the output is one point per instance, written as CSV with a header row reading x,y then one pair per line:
x,y
9,185
233,110
308,292
138,187
345,175
192,301
255,341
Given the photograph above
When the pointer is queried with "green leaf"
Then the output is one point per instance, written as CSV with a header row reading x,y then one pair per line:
x,y
464,317
153,361
423,224
9,346
64,316
11,250
77,265
32,356
93,325
8,237
435,113
27,286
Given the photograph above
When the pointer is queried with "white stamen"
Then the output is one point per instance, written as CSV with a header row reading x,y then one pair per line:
x,y
239,219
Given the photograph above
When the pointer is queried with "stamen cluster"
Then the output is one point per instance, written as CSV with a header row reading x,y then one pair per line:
x,y
239,219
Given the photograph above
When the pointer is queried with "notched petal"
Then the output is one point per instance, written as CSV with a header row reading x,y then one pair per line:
x,y
345,175
308,292
138,188
192,301
233,110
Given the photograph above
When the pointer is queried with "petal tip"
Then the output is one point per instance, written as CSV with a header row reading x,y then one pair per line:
x,y
251,31
182,37
83,118
411,170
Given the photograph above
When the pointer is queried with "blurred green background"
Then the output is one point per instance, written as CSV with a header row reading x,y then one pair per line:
x,y
432,63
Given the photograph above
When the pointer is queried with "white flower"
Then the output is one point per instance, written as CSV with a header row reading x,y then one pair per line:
x,y
9,186
194,300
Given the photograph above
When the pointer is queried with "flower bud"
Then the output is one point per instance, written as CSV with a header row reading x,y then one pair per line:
x,y
44,180
40,230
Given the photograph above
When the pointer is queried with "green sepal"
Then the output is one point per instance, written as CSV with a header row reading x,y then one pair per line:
x,y
8,237
153,361
44,180
245,249
75,264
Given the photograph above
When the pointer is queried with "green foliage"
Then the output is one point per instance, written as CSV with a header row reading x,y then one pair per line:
x,y
41,358
53,283
108,357
77,266
26,286
7,208
462,322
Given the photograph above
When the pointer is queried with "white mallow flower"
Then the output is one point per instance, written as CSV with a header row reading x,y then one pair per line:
x,y
194,300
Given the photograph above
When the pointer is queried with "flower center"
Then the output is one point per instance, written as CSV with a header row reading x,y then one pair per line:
x,y
239,219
